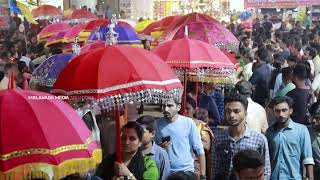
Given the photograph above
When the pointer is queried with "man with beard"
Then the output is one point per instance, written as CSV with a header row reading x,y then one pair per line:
x,y
149,148
289,144
236,137
179,136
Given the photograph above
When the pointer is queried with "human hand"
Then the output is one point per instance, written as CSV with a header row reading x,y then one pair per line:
x,y
121,169
165,145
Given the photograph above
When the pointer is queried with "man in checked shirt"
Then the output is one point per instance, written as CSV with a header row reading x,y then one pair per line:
x,y
236,137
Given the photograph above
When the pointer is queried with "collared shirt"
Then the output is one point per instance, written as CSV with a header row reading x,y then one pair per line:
x,y
290,148
185,139
315,143
225,148
256,117
160,156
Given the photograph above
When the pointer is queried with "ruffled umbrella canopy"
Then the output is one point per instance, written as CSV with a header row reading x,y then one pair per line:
x,y
67,13
30,145
197,59
48,71
92,46
140,26
95,75
210,32
46,12
52,29
126,35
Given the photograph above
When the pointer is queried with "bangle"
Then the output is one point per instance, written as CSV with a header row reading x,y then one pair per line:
x,y
130,176
203,177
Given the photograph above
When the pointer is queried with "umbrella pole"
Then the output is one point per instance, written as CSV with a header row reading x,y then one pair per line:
x,y
196,92
118,135
184,95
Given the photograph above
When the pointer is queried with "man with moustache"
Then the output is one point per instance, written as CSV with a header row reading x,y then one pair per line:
x,y
179,136
289,144
237,137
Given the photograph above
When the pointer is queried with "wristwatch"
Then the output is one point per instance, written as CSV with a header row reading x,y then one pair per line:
x,y
203,177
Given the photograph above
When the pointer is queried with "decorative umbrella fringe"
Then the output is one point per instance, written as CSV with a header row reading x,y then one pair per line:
x,y
148,96
68,167
48,82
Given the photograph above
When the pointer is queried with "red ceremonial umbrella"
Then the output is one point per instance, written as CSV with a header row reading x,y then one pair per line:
x,y
92,46
196,58
72,33
144,77
41,137
82,14
52,29
46,12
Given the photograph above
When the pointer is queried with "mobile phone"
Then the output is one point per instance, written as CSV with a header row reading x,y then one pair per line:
x,y
164,139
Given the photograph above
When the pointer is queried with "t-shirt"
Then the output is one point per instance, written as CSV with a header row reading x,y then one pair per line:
x,y
301,98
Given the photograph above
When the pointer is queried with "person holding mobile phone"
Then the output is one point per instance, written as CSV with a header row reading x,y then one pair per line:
x,y
178,135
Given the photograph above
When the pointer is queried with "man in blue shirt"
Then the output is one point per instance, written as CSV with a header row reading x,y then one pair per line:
x,y
150,148
236,137
289,144
181,138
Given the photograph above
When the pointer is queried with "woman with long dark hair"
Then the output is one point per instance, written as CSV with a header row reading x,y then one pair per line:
x,y
134,165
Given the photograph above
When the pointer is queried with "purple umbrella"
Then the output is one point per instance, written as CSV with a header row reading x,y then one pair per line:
x,y
48,71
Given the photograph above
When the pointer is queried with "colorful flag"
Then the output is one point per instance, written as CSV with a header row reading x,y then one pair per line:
x,y
22,9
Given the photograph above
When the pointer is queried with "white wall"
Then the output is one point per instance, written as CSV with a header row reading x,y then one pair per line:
x,y
89,3
142,8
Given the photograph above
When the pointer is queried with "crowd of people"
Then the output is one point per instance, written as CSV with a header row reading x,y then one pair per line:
x,y
266,126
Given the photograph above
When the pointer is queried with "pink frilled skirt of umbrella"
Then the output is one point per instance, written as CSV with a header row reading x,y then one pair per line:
x,y
42,136
52,29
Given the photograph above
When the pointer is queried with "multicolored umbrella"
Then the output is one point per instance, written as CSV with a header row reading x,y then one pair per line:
x,y
92,46
46,12
95,75
126,35
52,29
42,137
210,32
140,26
72,33
56,38
48,71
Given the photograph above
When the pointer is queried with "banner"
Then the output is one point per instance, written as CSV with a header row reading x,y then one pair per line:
x,y
279,3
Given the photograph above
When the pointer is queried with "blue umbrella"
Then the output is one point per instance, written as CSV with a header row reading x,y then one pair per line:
x,y
48,71
126,35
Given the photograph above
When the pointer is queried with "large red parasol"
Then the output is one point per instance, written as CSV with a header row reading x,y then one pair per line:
x,y
82,14
42,137
46,12
117,75
196,58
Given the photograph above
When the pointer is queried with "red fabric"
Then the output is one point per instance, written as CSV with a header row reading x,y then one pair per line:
x,y
46,10
54,28
28,123
160,25
92,46
232,58
190,51
93,24
99,69
74,31
82,13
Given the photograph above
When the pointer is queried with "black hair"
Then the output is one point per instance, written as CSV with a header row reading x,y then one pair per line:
x,y
1,75
263,54
56,51
148,122
21,66
244,88
282,99
236,97
288,41
136,126
287,73
302,70
246,159
292,59
312,52
297,45
315,108
191,101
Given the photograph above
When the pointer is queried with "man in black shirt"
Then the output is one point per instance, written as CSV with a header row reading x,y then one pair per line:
x,y
267,26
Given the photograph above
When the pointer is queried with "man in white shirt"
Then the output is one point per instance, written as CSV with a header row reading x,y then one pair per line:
x,y
256,115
